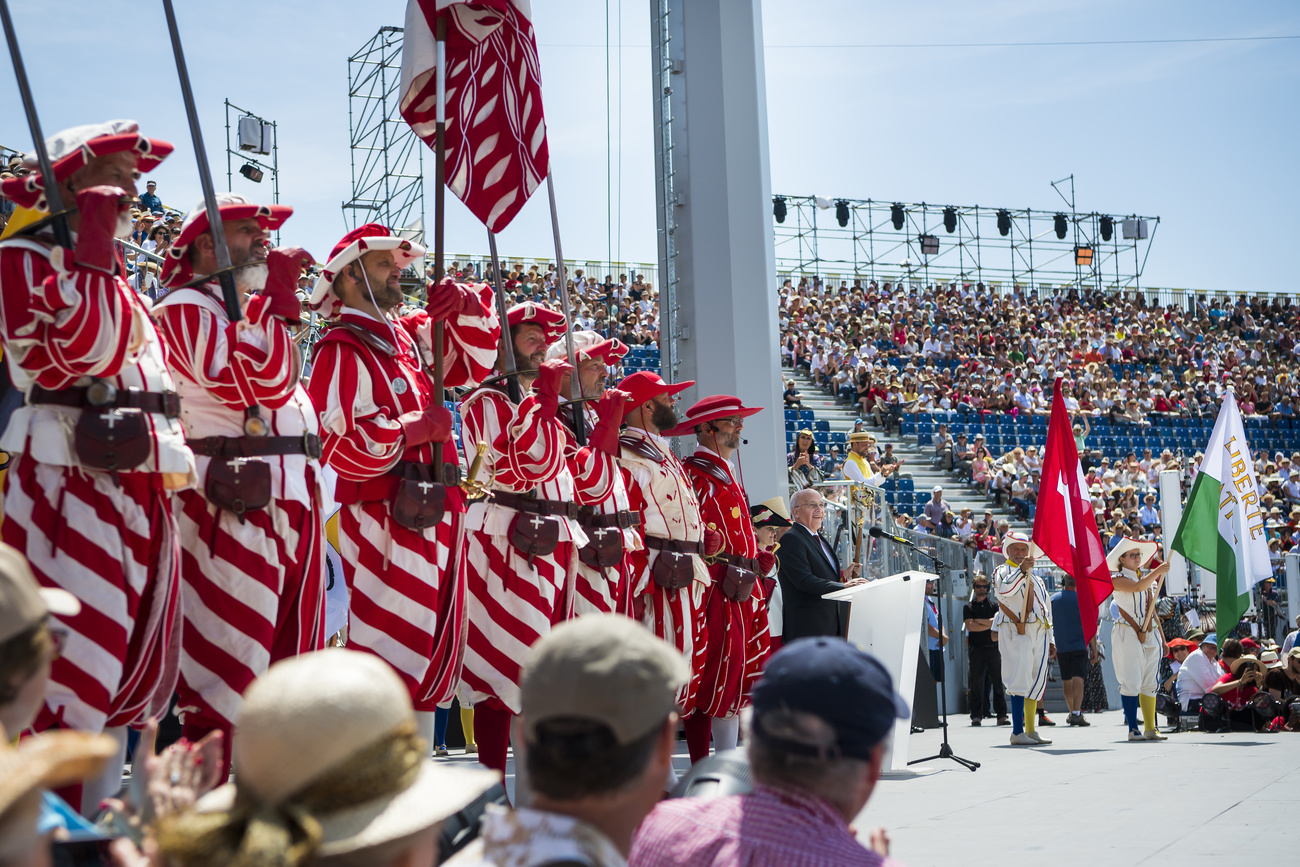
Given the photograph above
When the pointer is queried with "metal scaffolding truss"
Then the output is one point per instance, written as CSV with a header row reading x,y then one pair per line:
x,y
387,157
810,242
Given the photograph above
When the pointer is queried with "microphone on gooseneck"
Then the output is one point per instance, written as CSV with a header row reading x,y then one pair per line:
x,y
745,441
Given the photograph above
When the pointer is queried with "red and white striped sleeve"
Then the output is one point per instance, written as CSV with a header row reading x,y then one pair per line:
x,y
60,323
594,473
240,364
526,449
470,340
358,438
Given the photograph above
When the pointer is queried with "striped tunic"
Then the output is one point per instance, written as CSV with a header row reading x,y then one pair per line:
x,y
599,483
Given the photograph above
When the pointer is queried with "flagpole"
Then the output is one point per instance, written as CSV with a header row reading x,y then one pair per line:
x,y
511,373
440,186
579,413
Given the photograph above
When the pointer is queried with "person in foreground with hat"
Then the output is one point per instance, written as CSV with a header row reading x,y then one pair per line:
x,y
822,712
860,464
98,444
735,634
330,770
252,562
669,574
601,573
771,519
1136,640
1025,638
599,720
389,438
522,541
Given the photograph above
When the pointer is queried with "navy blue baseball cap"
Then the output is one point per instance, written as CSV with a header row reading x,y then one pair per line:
x,y
845,687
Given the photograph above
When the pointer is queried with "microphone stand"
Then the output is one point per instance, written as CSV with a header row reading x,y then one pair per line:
x,y
945,749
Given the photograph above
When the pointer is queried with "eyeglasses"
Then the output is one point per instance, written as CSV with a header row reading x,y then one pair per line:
x,y
816,507
59,638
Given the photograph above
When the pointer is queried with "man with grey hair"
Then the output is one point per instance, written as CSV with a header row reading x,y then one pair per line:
x,y
822,712
810,569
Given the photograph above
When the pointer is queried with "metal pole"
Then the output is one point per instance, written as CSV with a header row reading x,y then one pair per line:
x,y
228,291
579,413
507,340
53,198
440,188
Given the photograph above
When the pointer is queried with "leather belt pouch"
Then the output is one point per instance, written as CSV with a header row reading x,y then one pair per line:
x,y
238,485
738,583
419,502
673,571
113,439
534,535
604,550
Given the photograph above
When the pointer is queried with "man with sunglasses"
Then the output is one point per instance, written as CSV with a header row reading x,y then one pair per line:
x,y
982,651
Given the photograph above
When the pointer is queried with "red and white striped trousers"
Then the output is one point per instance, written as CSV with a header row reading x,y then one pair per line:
x,y
407,597
677,616
735,649
600,591
511,605
252,594
115,549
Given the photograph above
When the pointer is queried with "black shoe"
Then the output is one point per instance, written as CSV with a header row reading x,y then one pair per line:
x,y
1004,721
975,721
916,730
1076,719
1044,721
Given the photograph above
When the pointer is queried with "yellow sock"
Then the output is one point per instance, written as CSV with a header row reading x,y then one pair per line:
x,y
1148,704
1031,714
467,724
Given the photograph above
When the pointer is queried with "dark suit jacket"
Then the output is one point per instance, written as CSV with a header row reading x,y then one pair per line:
x,y
805,575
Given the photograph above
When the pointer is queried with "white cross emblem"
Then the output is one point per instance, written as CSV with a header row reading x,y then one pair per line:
x,y
1064,490
425,487
111,420
236,465
537,522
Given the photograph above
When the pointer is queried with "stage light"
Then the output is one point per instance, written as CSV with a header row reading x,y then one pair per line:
x,y
950,220
842,212
1134,230
1083,257
929,245
1107,227
252,172
896,214
778,208
1004,222
1062,225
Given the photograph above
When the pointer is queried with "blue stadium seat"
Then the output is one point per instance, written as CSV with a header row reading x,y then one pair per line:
x,y
806,415
792,415
821,425
839,436
906,485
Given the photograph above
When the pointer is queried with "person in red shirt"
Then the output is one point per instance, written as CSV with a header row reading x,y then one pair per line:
x,y
1236,688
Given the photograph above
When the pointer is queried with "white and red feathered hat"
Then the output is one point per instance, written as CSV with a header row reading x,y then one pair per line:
x,y
589,344
550,321
714,406
73,148
177,270
351,247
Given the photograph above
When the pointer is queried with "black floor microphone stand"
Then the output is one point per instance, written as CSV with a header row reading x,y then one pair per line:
x,y
945,750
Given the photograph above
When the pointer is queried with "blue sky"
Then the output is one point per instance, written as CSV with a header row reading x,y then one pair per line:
x,y
1202,134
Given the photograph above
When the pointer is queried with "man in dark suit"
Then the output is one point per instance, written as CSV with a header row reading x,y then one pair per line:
x,y
809,568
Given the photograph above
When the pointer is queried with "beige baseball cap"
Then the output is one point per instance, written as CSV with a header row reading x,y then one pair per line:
x,y
23,603
606,668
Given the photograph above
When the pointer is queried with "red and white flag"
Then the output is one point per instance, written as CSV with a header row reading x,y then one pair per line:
x,y
495,133
1065,528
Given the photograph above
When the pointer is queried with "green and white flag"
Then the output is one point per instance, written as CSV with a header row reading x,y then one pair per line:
x,y
1222,529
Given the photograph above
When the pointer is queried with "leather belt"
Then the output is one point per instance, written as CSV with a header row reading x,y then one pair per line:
x,y
520,503
623,520
676,546
255,447
101,395
450,473
749,563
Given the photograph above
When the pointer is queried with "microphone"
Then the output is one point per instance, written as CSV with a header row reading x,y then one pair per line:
x,y
745,441
878,533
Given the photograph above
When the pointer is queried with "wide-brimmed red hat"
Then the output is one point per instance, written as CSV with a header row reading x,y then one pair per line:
x,y
709,408
73,148
589,344
1175,643
177,270
550,321
646,385
352,246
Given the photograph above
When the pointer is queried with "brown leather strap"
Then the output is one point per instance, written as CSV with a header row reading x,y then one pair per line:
x,y
255,447
677,546
736,560
443,474
1128,618
167,403
535,506
623,520
1011,615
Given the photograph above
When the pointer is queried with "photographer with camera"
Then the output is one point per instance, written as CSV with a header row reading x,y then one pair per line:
x,y
1235,689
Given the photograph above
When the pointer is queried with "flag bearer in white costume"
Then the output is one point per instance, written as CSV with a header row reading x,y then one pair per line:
x,y
1024,625
1136,642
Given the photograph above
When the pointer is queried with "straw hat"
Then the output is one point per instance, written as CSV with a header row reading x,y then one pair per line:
x,y
1128,543
330,735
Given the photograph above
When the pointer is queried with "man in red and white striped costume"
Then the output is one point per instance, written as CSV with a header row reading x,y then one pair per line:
x,y
389,437
736,644
669,576
252,577
601,573
98,443
520,541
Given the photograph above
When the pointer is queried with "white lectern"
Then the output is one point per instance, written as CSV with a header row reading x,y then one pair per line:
x,y
885,619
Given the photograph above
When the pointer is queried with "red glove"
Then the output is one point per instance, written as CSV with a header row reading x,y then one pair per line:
x,y
100,208
547,385
766,562
713,542
447,299
283,267
432,424
609,414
